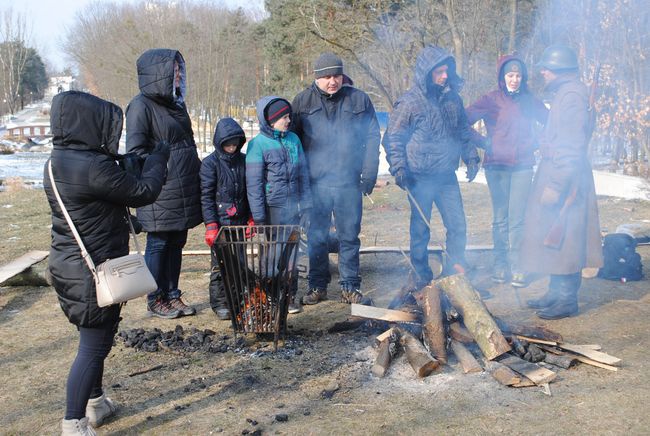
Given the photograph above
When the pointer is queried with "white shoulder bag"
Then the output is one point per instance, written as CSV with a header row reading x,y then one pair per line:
x,y
116,280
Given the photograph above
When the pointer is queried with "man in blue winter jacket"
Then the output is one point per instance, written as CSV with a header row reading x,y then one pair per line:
x,y
427,135
338,128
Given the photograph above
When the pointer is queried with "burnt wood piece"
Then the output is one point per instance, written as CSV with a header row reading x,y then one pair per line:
x,y
385,354
382,314
465,357
502,373
532,371
536,332
458,332
475,315
418,356
592,354
432,326
561,360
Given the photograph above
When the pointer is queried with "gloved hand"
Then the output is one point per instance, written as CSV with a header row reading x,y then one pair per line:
x,y
211,230
403,179
249,232
162,147
366,185
472,171
549,197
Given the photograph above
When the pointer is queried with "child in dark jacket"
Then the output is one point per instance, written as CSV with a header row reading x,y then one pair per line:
x,y
223,198
277,177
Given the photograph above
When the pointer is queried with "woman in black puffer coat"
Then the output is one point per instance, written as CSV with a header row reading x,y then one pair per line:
x,y
95,191
159,113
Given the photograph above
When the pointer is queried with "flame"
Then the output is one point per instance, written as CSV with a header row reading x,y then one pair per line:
x,y
256,313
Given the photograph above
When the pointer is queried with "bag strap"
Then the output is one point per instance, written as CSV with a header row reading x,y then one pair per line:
x,y
84,252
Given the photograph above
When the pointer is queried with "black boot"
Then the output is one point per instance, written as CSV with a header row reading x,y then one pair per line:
x,y
566,304
217,292
549,298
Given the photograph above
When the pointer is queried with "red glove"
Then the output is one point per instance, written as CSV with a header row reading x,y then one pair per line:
x,y
249,232
211,230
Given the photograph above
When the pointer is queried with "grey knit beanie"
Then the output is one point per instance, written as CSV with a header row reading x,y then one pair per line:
x,y
328,64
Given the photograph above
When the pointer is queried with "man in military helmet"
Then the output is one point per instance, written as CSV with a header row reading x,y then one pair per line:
x,y
561,230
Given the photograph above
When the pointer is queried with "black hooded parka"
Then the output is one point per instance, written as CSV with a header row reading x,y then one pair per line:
x,y
95,192
157,114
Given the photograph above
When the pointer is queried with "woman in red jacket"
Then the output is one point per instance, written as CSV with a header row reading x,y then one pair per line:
x,y
510,113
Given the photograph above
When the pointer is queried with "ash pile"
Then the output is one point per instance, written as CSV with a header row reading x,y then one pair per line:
x,y
448,316
179,340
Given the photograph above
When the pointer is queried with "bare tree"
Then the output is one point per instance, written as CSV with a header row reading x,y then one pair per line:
x,y
13,55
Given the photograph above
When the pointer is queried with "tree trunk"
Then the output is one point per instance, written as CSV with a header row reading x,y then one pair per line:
x,y
512,42
476,317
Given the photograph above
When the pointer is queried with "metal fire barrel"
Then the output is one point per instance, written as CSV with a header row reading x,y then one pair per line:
x,y
258,266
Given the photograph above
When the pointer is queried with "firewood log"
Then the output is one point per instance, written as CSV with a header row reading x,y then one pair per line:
x,y
465,357
433,328
502,373
419,358
458,332
387,348
475,315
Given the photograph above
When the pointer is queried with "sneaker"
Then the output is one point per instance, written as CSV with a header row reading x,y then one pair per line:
x,y
182,308
294,307
519,280
162,309
314,295
499,275
350,295
78,427
99,410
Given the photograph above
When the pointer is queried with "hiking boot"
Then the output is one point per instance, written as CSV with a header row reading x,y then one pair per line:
x,y
183,309
546,301
99,409
314,295
500,274
350,295
162,309
77,427
566,303
519,280
294,307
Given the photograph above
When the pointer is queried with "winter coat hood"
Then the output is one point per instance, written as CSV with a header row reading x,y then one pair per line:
x,y
156,75
429,58
523,87
82,121
227,128
261,105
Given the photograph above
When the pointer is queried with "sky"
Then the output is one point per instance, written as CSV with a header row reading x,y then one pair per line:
x,y
51,18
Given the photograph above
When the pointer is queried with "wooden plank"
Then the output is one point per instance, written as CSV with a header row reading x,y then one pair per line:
x,y
592,354
382,314
537,341
466,358
502,373
19,265
380,338
532,371
588,361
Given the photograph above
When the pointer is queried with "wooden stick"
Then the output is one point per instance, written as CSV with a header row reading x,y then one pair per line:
x,y
591,354
477,318
144,371
466,358
421,362
382,314
536,341
532,371
588,361
433,329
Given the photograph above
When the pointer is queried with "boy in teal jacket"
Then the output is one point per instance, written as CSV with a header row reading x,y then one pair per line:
x,y
277,178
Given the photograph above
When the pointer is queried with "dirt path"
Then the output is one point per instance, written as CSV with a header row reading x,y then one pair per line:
x,y
322,381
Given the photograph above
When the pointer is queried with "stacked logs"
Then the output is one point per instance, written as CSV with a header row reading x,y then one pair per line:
x,y
450,315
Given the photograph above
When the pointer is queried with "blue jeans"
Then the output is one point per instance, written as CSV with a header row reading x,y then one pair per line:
x,y
163,255
345,204
509,192
443,191
87,370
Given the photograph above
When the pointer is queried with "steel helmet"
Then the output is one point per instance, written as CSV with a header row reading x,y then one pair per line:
x,y
558,57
